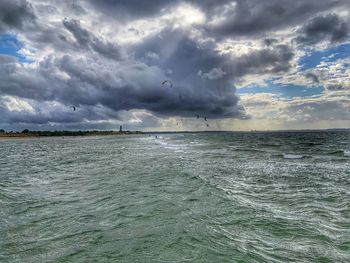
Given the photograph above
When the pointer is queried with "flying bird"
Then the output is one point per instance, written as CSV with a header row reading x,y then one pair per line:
x,y
168,81
73,107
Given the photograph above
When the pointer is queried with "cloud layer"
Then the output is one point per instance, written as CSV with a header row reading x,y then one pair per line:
x,y
109,58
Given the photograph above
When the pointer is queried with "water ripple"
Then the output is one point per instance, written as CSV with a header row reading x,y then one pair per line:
x,y
226,197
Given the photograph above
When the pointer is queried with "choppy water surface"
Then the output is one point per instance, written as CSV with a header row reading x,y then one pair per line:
x,y
221,197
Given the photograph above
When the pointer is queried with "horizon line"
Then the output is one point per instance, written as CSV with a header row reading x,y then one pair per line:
x,y
244,131
184,131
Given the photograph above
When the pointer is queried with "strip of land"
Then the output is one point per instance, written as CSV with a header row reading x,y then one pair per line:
x,y
27,133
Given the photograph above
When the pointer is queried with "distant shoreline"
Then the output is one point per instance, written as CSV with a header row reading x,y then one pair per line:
x,y
43,134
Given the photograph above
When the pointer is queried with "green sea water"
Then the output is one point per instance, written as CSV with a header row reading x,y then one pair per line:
x,y
208,197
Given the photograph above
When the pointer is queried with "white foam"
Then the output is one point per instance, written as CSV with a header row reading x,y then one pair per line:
x,y
292,156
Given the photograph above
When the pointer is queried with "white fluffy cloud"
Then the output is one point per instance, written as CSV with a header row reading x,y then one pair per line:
x,y
299,111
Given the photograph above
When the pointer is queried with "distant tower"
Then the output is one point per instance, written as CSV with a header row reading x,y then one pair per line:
x,y
120,128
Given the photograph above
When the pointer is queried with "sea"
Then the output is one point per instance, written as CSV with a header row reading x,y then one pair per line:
x,y
177,197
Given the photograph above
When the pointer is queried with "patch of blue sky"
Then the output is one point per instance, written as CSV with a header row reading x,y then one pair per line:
x,y
285,91
315,58
10,46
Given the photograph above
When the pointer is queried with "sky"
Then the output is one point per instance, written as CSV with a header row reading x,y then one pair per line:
x,y
243,64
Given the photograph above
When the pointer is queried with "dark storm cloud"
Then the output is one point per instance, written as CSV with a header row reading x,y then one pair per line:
x,y
5,59
126,9
135,85
338,87
320,28
270,41
129,9
26,83
86,39
237,18
255,17
87,68
313,77
82,36
268,60
42,115
131,84
183,56
11,117
14,14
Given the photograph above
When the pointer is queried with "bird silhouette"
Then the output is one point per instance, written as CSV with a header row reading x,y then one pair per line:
x,y
168,81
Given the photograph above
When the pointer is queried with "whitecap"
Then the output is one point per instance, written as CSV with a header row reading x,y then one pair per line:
x,y
293,156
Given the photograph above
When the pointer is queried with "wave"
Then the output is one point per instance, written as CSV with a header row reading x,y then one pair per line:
x,y
311,143
345,153
179,148
269,144
244,149
293,156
